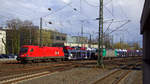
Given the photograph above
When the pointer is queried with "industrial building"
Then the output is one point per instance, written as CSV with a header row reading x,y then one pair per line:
x,y
58,39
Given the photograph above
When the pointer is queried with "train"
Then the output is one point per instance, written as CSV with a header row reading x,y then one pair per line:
x,y
128,53
78,53
31,53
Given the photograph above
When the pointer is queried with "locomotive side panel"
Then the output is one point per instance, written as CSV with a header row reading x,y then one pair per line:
x,y
32,53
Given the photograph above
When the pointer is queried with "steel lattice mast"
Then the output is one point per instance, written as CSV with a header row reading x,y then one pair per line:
x,y
100,40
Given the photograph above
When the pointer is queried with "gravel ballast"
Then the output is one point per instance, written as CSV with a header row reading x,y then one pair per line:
x,y
73,76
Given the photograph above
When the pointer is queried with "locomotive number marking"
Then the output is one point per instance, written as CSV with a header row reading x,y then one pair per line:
x,y
57,53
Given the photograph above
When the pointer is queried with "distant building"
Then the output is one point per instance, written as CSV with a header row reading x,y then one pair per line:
x,y
53,38
77,39
81,42
58,39
2,41
31,36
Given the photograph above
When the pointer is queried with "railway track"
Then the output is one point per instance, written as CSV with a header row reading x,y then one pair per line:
x,y
41,69
113,78
31,75
38,71
117,75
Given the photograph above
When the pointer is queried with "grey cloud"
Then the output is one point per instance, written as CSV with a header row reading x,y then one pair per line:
x,y
68,19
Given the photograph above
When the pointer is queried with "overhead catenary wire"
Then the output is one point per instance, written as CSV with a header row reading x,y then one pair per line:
x,y
80,6
14,12
58,10
90,4
113,8
108,27
125,15
81,13
71,15
108,2
119,27
109,21
4,16
77,11
128,33
54,11
109,11
23,15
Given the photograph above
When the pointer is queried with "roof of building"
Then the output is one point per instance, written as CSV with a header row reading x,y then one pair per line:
x,y
80,36
55,31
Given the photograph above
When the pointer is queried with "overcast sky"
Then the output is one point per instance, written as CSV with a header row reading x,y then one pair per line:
x,y
69,15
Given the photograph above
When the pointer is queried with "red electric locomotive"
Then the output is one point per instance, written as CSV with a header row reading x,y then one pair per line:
x,y
30,53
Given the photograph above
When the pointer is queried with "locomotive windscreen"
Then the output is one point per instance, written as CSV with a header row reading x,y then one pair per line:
x,y
24,50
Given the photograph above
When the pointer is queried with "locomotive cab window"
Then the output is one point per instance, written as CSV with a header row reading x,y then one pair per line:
x,y
24,50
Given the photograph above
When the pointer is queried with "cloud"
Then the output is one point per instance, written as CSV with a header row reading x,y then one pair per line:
x,y
66,1
68,17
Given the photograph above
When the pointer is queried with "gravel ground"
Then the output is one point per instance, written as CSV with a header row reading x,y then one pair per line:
x,y
73,76
87,73
8,60
135,77
83,76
